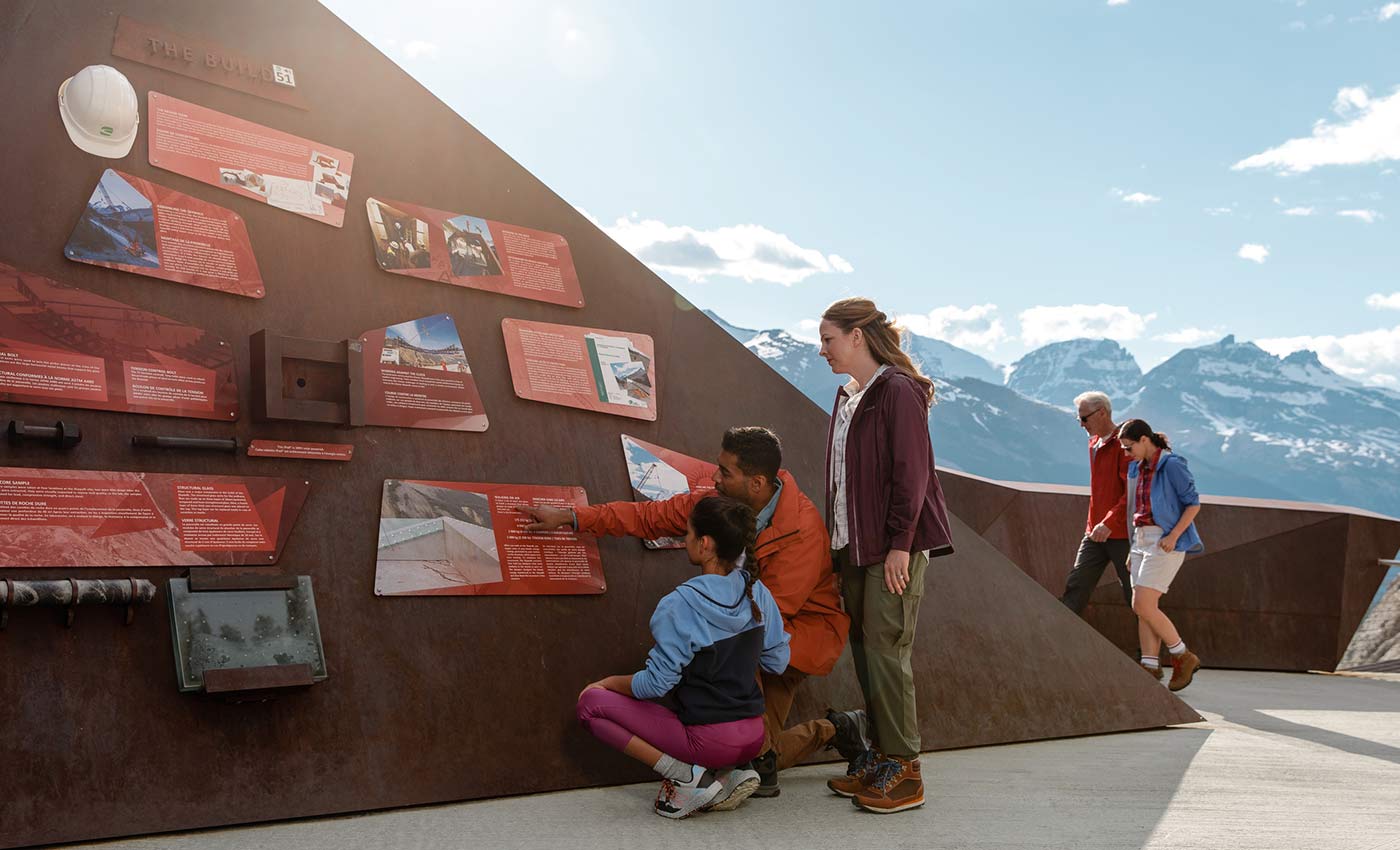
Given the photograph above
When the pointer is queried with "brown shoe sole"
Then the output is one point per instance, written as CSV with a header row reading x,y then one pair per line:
x,y
905,806
830,783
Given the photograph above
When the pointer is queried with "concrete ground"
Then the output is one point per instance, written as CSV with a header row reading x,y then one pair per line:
x,y
1283,761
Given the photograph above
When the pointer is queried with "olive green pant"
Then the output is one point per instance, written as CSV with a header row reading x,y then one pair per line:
x,y
882,646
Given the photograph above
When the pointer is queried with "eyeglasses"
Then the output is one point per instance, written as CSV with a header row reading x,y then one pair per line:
x,y
1090,415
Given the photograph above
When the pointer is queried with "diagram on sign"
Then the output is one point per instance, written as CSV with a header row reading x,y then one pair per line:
x,y
281,170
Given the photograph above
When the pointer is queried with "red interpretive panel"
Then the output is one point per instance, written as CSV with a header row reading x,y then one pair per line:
x,y
448,538
588,368
137,226
89,518
658,473
65,346
302,451
465,250
281,170
417,376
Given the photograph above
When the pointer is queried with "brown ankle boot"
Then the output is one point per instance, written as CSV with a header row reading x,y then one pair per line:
x,y
859,774
1184,667
898,785
1154,671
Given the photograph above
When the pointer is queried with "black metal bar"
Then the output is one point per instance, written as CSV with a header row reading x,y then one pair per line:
x,y
153,441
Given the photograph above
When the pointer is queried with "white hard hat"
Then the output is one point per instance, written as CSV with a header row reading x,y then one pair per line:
x,y
100,111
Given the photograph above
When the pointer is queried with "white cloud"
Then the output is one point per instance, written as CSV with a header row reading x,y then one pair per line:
x,y
1040,325
974,327
423,49
750,252
1191,336
1368,216
1219,210
1378,301
1117,2
1368,131
1388,11
1296,26
1250,251
1298,211
1137,199
1372,357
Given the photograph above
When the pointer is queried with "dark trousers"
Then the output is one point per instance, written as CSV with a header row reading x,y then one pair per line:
x,y
1088,568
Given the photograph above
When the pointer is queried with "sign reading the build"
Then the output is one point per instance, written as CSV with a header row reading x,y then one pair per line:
x,y
465,250
137,226
658,474
205,60
285,171
65,346
86,518
447,538
417,376
588,368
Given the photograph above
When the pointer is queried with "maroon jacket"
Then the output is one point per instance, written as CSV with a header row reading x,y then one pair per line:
x,y
893,498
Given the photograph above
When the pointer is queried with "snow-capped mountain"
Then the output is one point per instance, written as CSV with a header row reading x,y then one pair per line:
x,y
1058,372
1251,424
976,425
1288,423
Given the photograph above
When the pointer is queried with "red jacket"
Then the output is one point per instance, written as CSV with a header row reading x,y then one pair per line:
x,y
893,498
794,563
1108,487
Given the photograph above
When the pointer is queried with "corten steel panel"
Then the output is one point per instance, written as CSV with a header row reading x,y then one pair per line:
x,y
1281,585
429,699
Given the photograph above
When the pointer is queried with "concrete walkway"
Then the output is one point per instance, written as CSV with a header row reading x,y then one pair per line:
x,y
1283,761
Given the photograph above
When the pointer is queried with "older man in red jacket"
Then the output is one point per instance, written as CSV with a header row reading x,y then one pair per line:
x,y
794,563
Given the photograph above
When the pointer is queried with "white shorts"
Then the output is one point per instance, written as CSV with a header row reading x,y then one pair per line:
x,y
1148,565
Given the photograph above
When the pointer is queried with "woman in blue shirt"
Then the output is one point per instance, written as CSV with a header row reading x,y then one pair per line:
x,y
1162,507
712,634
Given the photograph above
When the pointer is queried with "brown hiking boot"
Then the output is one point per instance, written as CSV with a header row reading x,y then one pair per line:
x,y
898,786
860,772
1155,671
1184,667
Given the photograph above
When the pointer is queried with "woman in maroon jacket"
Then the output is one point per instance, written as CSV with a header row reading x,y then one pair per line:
x,y
886,514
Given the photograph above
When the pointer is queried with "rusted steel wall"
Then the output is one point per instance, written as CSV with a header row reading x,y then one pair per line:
x,y
1280,586
429,699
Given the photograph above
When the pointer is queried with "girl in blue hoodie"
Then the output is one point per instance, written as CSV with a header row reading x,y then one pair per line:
x,y
712,633
1162,508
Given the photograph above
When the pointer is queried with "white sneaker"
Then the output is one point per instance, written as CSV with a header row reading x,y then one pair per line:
x,y
680,799
736,786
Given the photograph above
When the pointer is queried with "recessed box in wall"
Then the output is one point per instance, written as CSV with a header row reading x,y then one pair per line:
x,y
306,380
247,634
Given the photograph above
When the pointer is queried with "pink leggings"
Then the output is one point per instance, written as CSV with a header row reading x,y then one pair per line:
x,y
613,719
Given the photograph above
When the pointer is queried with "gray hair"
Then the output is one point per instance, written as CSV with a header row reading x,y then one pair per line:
x,y
1096,398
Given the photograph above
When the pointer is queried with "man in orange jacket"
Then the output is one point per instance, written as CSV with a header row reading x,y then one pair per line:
x,y
794,562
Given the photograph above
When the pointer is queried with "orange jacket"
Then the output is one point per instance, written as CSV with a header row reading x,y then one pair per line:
x,y
794,563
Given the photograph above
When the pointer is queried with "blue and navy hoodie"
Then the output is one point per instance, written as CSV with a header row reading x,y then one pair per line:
x,y
708,646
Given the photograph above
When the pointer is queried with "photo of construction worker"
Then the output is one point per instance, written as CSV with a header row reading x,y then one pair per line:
x,y
470,248
400,240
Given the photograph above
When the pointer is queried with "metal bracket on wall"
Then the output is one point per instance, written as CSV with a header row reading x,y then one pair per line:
x,y
307,380
69,593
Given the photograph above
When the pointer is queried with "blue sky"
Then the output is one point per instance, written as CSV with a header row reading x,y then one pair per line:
x,y
1161,172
